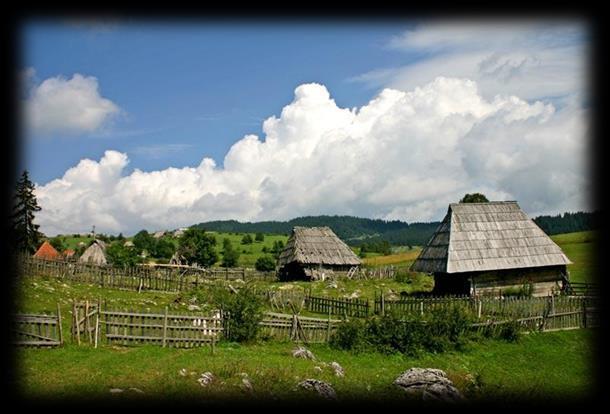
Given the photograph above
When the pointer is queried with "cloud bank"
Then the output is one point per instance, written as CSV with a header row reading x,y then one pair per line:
x,y
404,155
67,106
532,60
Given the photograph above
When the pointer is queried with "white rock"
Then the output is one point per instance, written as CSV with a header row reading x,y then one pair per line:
x,y
182,372
338,369
205,379
115,390
301,352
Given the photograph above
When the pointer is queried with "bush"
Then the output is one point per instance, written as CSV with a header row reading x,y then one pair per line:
x,y
260,237
247,239
265,264
443,329
351,336
242,312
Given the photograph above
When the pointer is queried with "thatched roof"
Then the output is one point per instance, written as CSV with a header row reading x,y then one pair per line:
x,y
47,251
487,236
317,245
96,253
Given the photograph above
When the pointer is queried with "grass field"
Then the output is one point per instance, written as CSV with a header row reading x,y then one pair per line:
x,y
549,365
544,365
580,248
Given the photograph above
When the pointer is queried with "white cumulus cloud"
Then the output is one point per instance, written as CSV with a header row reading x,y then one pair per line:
x,y
67,105
404,155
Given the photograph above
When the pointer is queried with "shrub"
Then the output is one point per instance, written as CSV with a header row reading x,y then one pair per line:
x,y
260,237
247,239
265,264
242,312
351,335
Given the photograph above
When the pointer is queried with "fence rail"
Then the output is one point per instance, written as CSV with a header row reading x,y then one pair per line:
x,y
37,330
159,278
334,306
298,328
582,289
128,327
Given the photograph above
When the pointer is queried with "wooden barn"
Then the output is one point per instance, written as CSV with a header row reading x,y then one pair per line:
x,y
490,248
312,251
95,254
48,252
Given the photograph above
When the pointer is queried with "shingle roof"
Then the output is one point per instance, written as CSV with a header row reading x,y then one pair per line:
x,y
46,251
487,236
96,253
317,245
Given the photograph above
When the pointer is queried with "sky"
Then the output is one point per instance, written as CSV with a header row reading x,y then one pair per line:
x,y
131,124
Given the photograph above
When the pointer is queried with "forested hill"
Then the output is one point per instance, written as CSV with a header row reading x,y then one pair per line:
x,y
353,230
568,222
356,230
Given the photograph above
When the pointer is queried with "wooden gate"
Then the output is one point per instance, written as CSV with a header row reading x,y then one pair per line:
x,y
37,330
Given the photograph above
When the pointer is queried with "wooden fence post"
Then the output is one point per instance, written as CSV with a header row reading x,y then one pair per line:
x,y
88,323
61,338
382,305
480,306
328,327
164,328
97,323
584,312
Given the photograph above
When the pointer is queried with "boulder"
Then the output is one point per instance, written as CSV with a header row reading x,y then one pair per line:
x,y
337,368
301,352
430,384
320,387
205,379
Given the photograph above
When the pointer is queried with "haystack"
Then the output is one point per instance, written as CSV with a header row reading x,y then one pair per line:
x,y
311,250
95,254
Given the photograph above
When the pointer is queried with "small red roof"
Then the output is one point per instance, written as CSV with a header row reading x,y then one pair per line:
x,y
46,251
69,253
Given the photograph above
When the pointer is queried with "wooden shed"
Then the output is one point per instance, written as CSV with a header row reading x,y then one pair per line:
x,y
95,254
47,251
312,250
488,248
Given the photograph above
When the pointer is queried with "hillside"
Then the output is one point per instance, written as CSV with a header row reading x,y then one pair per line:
x,y
357,230
353,230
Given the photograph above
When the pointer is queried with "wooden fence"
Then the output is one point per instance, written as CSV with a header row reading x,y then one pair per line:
x,y
297,328
582,289
335,306
128,327
159,278
37,330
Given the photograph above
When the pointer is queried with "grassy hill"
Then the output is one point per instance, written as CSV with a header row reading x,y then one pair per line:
x,y
580,247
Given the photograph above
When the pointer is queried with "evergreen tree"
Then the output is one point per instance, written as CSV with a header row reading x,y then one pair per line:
x,y
230,255
25,233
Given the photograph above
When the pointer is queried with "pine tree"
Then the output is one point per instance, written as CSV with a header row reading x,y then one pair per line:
x,y
26,235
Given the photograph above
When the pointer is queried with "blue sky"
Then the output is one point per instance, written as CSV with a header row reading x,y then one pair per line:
x,y
139,124
195,89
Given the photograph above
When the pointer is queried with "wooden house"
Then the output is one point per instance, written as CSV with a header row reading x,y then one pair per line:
x,y
490,248
310,251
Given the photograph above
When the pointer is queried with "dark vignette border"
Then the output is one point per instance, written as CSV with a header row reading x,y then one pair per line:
x,y
11,27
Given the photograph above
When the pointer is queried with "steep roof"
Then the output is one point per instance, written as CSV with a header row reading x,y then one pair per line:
x,y
487,236
96,253
317,245
46,251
